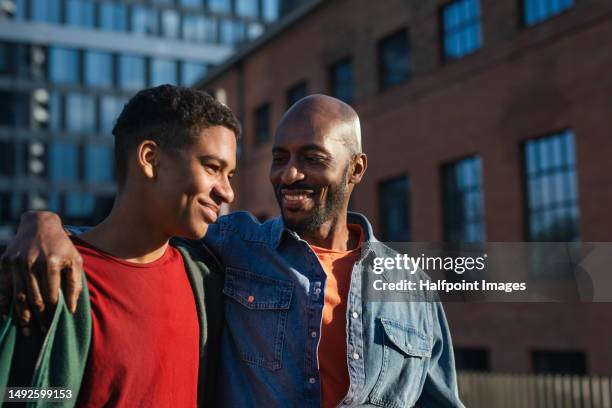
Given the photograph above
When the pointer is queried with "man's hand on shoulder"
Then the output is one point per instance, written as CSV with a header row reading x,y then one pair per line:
x,y
34,262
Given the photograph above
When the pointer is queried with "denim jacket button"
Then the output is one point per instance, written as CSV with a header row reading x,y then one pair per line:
x,y
355,315
312,380
355,356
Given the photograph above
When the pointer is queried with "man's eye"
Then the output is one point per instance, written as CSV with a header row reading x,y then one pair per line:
x,y
314,159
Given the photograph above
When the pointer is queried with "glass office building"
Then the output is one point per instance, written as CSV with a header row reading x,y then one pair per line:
x,y
66,69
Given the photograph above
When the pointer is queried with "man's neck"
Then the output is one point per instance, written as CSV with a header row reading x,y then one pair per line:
x,y
333,234
127,233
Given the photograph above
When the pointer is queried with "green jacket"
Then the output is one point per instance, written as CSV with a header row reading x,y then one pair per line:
x,y
59,358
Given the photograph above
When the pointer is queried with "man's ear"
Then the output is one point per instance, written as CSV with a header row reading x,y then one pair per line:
x,y
148,158
358,167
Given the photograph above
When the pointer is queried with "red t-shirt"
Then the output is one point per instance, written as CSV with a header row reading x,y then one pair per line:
x,y
145,343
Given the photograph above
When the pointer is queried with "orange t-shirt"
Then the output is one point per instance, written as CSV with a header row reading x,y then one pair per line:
x,y
338,266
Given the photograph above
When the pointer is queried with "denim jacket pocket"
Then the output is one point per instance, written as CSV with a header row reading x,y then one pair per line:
x,y
253,297
403,369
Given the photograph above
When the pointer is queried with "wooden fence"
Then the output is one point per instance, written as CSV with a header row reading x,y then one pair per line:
x,y
492,390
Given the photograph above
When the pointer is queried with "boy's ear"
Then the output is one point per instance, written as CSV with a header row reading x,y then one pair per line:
x,y
148,158
358,168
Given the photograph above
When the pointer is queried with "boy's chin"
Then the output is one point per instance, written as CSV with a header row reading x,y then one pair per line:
x,y
194,231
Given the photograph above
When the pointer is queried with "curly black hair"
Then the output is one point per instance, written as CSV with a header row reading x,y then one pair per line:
x,y
171,116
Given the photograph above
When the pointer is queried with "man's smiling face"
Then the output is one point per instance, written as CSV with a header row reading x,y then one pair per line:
x,y
310,171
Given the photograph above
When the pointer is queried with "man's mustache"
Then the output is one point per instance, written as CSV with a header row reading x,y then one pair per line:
x,y
297,186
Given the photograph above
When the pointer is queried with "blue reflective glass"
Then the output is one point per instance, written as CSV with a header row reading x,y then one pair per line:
x,y
80,113
536,11
254,30
163,72
55,111
191,72
342,80
462,28
219,6
270,10
232,32
144,20
63,163
132,73
113,16
98,69
394,59
78,204
47,11
247,8
191,3
80,13
98,163
64,65
170,23
110,108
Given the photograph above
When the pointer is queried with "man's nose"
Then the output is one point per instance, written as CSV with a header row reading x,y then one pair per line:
x,y
291,174
224,190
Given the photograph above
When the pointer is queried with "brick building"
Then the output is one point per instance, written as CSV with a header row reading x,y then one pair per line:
x,y
482,120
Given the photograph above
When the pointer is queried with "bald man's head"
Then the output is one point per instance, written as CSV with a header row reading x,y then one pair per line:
x,y
323,112
316,162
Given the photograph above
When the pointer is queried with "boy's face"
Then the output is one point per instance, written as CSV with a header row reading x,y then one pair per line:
x,y
192,185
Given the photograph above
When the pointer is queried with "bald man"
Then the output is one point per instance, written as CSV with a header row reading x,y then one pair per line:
x,y
299,330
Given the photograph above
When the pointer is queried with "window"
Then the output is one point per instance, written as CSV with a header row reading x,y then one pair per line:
x,y
5,208
113,16
247,8
144,20
219,6
98,163
472,359
461,26
132,73
7,159
296,92
551,188
191,3
63,161
262,124
80,113
64,66
14,109
232,32
80,13
56,111
110,108
20,8
163,72
559,362
394,59
98,69
191,72
463,201
46,11
78,205
394,209
194,28
170,23
341,80
270,10
535,11
254,30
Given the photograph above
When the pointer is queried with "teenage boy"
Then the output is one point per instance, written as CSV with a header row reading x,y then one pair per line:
x,y
138,336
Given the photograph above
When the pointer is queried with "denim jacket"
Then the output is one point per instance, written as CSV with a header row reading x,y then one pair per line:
x,y
399,353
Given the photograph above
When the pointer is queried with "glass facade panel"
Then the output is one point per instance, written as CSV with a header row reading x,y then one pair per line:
x,y
394,209
462,28
110,108
394,59
132,72
63,161
191,3
171,21
64,65
341,80
220,6
98,69
144,20
270,10
551,188
232,32
113,16
247,8
463,201
98,163
192,72
163,72
80,13
536,11
80,113
46,11
194,28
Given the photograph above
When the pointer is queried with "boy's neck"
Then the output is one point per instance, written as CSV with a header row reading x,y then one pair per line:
x,y
128,234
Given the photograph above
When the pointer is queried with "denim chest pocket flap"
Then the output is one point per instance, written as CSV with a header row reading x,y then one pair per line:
x,y
256,311
407,339
257,292
403,368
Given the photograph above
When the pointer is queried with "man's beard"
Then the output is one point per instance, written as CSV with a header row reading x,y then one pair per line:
x,y
333,204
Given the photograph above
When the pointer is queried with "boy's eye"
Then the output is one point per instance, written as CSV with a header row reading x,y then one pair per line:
x,y
278,159
212,168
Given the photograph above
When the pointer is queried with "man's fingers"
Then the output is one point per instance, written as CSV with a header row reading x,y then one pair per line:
x,y
50,281
24,314
35,298
73,276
